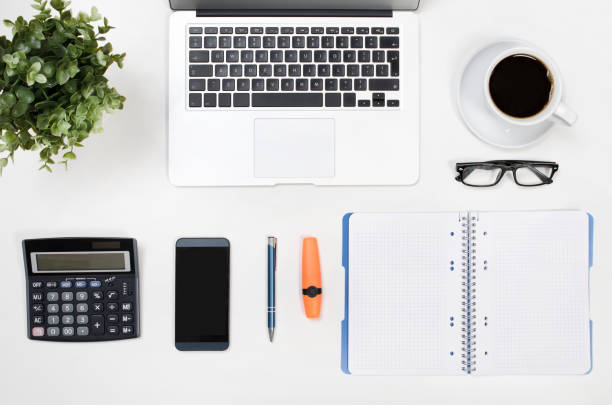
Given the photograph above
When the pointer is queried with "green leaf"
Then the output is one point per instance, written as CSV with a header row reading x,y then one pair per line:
x,y
3,163
62,76
101,58
19,109
40,78
95,15
25,95
7,100
69,155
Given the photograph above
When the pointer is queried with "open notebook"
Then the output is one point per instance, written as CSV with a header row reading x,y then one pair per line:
x,y
482,293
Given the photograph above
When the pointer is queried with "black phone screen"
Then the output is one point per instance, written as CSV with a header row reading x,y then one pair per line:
x,y
202,294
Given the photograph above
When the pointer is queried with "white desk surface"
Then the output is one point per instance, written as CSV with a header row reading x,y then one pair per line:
x,y
118,186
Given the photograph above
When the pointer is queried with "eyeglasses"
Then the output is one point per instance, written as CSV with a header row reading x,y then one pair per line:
x,y
525,172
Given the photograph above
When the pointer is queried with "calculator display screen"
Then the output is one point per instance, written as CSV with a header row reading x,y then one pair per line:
x,y
79,262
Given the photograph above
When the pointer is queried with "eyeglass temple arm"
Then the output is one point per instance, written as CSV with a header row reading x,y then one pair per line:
x,y
544,178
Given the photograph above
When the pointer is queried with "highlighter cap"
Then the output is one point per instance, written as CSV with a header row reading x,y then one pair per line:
x,y
311,277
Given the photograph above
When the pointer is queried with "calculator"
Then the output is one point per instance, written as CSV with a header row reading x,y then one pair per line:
x,y
81,289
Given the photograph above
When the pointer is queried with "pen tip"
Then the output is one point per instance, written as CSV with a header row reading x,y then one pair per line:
x,y
271,333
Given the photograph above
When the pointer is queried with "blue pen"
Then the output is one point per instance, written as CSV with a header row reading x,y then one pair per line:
x,y
271,285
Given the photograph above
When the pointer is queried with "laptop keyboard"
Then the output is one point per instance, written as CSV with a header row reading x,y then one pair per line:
x,y
279,67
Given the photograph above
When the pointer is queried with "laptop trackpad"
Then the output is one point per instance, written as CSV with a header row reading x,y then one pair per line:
x,y
294,148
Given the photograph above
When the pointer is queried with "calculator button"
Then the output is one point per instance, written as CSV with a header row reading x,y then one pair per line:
x,y
51,284
98,307
53,320
37,320
112,307
97,324
38,296
67,319
81,296
67,307
114,318
38,331
98,295
67,331
127,318
52,296
111,295
51,308
126,306
82,331
80,284
37,284
82,307
95,284
82,319
36,308
53,331
127,330
65,284
113,330
67,296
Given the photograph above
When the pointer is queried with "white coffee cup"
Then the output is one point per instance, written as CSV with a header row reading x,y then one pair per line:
x,y
556,110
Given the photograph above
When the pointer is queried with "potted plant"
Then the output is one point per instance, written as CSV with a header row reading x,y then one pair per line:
x,y
53,89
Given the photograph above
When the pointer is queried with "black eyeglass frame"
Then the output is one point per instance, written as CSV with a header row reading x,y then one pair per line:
x,y
505,166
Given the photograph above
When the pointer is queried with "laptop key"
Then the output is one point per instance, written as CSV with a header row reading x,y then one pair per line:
x,y
291,56
295,70
301,84
287,84
258,84
317,30
287,99
356,42
243,85
225,100
298,42
392,103
221,70
214,84
320,56
227,85
195,100
392,30
265,70
327,42
272,85
363,30
349,56
240,42
200,70
241,100
347,30
367,70
338,70
250,70
210,42
301,30
389,42
361,84
332,30
371,42
305,56
271,30
363,56
284,42
280,70
382,70
323,70
316,84
352,70
378,56
276,56
254,42
197,84
349,99
210,100
310,70
256,30
346,84
261,56
378,99
378,30
312,42
226,30
195,42
195,30
331,84
363,103
217,56
384,84
393,59
232,56
242,30
342,42
210,30
236,70
269,42
246,56
287,30
225,42
333,99
335,56
200,56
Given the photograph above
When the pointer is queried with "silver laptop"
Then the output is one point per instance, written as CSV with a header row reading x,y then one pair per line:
x,y
268,92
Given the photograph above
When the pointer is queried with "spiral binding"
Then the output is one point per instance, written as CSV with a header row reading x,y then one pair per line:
x,y
468,293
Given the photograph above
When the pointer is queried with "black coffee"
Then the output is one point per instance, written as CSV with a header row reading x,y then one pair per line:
x,y
521,86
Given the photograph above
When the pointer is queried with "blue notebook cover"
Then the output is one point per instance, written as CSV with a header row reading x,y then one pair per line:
x,y
345,263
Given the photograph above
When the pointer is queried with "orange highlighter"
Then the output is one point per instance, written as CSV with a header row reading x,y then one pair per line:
x,y
311,277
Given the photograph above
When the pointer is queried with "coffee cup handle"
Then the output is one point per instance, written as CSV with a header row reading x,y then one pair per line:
x,y
565,115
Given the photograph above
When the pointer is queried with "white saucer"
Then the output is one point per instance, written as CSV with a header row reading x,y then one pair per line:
x,y
475,111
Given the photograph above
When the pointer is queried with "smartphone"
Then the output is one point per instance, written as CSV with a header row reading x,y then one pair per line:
x,y
202,294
